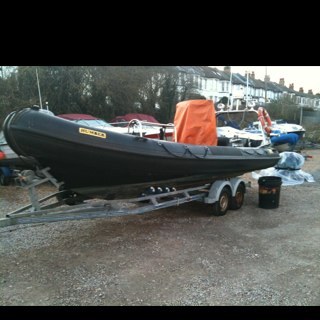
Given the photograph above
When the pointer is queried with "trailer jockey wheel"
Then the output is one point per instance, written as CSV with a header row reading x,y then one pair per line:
x,y
237,200
4,181
221,206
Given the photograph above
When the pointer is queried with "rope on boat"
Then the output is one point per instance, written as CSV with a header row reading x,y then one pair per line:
x,y
187,150
196,156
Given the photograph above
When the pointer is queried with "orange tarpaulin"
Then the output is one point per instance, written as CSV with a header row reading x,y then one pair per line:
x,y
195,122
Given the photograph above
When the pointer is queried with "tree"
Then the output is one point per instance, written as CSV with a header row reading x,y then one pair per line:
x,y
284,108
164,88
116,90
9,98
103,91
161,89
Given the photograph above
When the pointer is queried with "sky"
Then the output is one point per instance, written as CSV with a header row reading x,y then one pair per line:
x,y
307,77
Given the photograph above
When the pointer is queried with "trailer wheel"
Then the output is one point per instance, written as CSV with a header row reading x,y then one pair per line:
x,y
221,206
238,199
4,181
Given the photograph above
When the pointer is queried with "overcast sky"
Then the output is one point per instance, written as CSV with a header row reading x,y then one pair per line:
x,y
301,76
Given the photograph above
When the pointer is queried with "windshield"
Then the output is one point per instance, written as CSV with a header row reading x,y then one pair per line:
x,y
94,123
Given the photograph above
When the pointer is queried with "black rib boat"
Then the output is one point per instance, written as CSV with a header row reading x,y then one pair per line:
x,y
92,161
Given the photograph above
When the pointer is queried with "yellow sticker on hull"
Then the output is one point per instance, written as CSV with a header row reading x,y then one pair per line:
x,y
94,133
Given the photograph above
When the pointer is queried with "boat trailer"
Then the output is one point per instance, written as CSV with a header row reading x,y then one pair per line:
x,y
221,194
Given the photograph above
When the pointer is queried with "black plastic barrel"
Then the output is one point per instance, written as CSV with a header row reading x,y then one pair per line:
x,y
269,192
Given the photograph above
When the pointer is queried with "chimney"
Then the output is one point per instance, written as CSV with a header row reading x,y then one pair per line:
x,y
310,91
301,90
291,86
252,75
281,82
227,69
267,78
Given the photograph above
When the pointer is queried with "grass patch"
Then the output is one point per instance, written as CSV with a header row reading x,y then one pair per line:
x,y
312,134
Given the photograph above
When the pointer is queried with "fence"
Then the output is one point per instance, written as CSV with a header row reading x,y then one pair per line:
x,y
311,118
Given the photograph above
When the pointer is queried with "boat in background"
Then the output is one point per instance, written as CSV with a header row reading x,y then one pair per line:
x,y
130,116
91,121
135,126
283,136
146,125
286,127
279,127
91,162
240,137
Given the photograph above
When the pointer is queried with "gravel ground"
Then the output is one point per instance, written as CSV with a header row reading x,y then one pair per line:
x,y
176,256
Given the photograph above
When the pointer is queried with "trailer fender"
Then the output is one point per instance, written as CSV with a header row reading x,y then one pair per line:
x,y
235,182
215,190
218,185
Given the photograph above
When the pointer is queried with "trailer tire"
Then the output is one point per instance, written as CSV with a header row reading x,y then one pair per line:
x,y
221,206
238,199
4,180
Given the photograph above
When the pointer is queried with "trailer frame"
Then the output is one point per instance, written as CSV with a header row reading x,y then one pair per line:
x,y
38,212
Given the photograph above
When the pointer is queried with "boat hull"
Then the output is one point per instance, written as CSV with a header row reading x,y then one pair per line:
x,y
87,160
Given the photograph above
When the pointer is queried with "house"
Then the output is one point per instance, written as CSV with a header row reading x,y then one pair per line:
x,y
214,84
